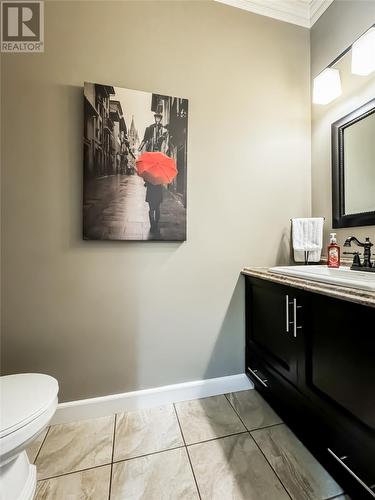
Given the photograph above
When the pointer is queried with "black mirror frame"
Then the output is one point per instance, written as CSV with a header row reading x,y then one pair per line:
x,y
339,219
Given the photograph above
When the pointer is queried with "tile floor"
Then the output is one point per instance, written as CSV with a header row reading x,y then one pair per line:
x,y
229,447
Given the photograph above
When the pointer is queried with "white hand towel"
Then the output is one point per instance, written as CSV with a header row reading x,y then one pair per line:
x,y
307,235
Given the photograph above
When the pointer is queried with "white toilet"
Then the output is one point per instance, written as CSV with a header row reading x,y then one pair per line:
x,y
28,402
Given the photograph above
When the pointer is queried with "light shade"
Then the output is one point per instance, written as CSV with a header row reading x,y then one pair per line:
x,y
363,54
327,86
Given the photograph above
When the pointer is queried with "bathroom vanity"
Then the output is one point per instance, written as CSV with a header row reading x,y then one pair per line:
x,y
310,351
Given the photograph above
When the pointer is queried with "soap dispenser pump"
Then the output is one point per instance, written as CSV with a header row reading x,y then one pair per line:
x,y
333,252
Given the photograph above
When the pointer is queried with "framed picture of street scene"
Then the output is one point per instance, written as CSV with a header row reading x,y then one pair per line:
x,y
135,165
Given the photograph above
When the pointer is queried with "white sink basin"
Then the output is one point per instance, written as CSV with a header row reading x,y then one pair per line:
x,y
342,276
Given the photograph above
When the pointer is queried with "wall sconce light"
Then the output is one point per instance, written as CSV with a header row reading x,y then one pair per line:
x,y
327,86
363,54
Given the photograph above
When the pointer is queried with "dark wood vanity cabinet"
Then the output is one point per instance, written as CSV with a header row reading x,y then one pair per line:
x,y
313,358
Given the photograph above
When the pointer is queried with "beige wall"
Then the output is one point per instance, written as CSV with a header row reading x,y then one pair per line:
x,y
339,26
107,317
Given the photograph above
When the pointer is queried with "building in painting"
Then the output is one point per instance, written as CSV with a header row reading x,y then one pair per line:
x,y
118,136
98,127
175,113
133,143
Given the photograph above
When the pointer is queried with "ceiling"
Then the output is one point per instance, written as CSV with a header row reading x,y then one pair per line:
x,y
301,12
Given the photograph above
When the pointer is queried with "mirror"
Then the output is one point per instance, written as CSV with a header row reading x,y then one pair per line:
x,y
353,168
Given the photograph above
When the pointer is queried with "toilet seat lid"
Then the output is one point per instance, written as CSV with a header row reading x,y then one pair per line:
x,y
23,397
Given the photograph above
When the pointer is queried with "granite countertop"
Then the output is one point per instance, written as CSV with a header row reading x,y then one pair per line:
x,y
363,297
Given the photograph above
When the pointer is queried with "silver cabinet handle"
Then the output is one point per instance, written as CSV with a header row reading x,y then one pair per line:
x,y
287,312
253,372
339,460
295,327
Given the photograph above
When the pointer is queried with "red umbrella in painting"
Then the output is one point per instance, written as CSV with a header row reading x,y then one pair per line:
x,y
156,168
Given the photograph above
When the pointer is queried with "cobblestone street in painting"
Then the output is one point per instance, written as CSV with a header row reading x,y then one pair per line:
x,y
115,209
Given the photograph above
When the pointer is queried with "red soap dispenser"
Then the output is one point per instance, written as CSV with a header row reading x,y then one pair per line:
x,y
333,252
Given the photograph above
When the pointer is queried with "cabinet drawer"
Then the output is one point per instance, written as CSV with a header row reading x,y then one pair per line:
x,y
285,399
359,481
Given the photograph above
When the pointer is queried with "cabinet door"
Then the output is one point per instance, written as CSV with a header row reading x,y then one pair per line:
x,y
274,321
340,364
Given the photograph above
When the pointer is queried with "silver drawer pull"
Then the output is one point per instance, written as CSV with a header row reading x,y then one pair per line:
x,y
287,312
340,461
295,327
253,372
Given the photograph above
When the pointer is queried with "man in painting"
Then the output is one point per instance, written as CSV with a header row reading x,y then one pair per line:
x,y
156,136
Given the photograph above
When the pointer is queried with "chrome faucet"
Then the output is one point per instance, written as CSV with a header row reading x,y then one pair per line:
x,y
367,265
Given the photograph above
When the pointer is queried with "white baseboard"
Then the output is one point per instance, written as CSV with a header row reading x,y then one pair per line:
x,y
147,398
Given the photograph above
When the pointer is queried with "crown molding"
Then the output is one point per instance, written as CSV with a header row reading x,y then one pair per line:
x,y
317,8
300,12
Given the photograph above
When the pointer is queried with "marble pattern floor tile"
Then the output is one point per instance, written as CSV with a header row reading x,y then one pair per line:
x,y
146,431
33,449
233,468
207,418
92,484
76,446
254,411
162,476
302,475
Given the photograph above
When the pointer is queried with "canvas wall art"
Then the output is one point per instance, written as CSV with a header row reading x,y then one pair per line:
x,y
135,165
